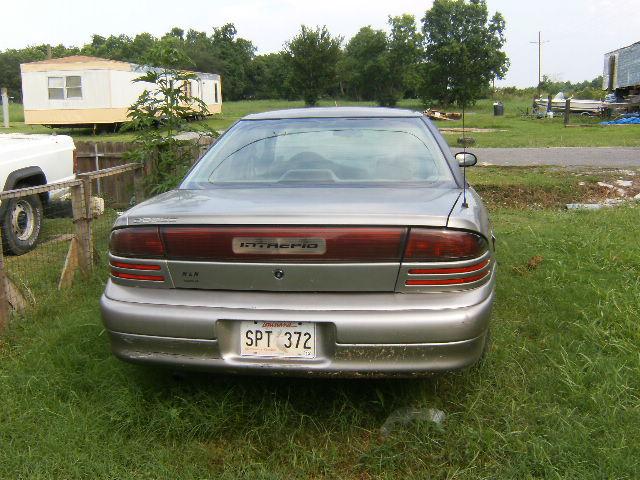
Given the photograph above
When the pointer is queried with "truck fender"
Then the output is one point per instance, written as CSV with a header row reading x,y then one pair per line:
x,y
17,176
22,173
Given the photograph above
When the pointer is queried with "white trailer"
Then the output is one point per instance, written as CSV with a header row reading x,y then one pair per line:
x,y
81,90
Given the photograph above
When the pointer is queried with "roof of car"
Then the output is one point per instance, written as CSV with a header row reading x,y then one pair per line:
x,y
334,112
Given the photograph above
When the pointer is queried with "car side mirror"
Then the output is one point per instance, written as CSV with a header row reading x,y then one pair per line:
x,y
466,159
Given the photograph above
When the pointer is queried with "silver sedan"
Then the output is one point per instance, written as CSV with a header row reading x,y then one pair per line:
x,y
336,241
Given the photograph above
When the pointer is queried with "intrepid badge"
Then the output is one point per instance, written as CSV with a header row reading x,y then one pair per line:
x,y
279,246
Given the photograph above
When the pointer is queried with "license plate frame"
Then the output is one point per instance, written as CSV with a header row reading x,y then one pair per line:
x,y
278,339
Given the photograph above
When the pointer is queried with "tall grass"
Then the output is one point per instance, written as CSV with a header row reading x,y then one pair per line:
x,y
557,397
16,113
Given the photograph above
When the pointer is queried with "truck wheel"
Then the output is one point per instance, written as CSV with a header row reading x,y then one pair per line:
x,y
21,224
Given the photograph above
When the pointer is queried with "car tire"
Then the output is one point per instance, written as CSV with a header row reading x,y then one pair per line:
x,y
21,224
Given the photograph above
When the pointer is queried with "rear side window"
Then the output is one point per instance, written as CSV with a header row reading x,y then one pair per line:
x,y
323,150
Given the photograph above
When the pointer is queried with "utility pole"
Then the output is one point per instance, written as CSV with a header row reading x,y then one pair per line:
x,y
539,42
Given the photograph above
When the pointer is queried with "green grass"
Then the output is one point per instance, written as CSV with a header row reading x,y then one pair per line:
x,y
16,113
557,397
513,129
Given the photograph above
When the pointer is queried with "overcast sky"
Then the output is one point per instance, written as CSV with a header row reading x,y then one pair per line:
x,y
579,31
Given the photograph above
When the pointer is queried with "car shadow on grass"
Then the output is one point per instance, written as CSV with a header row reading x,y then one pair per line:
x,y
256,400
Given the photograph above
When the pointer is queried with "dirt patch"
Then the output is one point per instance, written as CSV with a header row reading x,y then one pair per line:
x,y
609,187
533,263
524,196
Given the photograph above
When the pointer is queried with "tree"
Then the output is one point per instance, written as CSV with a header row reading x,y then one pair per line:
x,y
269,77
235,55
362,62
400,59
405,52
587,89
312,56
167,104
463,51
381,66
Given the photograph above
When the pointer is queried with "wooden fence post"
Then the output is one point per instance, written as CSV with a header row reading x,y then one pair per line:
x,y
567,111
5,107
138,184
81,217
4,300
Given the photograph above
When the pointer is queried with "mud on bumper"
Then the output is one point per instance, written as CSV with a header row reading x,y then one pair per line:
x,y
358,334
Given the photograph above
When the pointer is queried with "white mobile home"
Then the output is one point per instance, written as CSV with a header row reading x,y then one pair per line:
x,y
81,90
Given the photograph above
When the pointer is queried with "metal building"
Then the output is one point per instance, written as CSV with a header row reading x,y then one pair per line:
x,y
622,70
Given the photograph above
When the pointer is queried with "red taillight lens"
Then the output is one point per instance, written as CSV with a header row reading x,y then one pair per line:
x,y
426,245
354,244
141,242
447,281
135,276
432,271
135,266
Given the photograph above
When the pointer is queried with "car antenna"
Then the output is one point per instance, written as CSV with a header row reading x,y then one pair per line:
x,y
464,165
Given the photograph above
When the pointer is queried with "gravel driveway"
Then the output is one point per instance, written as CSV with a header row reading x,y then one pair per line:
x,y
616,157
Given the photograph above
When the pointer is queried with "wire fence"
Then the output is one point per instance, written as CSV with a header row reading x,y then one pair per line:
x,y
51,233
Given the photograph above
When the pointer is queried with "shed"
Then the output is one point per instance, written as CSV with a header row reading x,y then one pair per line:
x,y
82,90
622,69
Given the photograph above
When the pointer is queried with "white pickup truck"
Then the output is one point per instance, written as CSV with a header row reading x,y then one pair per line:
x,y
26,161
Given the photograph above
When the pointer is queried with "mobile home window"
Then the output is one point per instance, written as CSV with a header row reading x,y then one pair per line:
x,y
56,88
74,86
65,87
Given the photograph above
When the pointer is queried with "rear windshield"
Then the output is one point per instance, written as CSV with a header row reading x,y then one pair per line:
x,y
321,151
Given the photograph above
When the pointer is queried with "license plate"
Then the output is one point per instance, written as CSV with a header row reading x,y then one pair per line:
x,y
278,339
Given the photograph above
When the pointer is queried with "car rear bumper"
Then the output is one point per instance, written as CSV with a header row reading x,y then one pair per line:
x,y
347,360
357,334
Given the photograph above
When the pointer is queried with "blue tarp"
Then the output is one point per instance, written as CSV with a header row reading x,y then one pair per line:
x,y
627,119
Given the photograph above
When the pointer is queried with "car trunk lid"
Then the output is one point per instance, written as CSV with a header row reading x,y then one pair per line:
x,y
287,239
410,205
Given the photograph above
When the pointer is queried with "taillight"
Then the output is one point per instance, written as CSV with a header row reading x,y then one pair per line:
x,y
269,244
426,245
140,242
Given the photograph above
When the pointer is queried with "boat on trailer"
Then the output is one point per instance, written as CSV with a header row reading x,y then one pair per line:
x,y
587,107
